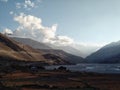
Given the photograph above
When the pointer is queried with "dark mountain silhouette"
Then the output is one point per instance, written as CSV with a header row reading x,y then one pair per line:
x,y
65,56
107,54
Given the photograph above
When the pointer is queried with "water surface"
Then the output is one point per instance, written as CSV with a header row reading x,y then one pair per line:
x,y
99,68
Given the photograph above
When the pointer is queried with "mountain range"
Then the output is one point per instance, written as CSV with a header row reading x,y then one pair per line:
x,y
11,50
32,43
39,45
28,50
69,49
65,56
107,54
46,49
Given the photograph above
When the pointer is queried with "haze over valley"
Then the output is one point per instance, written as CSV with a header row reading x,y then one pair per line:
x,y
59,44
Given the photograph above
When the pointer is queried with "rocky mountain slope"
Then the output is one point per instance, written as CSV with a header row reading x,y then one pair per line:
x,y
65,56
39,45
58,51
107,54
69,49
32,43
12,50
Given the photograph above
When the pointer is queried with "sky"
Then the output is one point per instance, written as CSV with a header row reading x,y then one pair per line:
x,y
87,22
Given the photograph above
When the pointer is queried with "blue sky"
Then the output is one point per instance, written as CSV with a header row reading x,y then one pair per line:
x,y
88,21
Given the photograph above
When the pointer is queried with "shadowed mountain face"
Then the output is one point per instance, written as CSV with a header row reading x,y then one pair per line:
x,y
43,48
65,56
39,45
108,54
12,50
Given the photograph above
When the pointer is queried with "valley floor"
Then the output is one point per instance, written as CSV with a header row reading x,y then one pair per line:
x,y
58,80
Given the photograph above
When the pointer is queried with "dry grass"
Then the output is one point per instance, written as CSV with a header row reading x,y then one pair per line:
x,y
60,79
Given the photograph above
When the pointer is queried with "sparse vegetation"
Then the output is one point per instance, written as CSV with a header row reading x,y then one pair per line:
x,y
62,68
57,80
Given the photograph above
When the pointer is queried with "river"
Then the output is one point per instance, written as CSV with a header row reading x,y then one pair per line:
x,y
99,68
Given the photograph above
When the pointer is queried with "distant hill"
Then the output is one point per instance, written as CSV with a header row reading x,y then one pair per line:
x,y
39,45
46,49
107,54
32,43
65,56
11,50
69,49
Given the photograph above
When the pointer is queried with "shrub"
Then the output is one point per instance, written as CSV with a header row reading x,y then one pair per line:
x,y
62,68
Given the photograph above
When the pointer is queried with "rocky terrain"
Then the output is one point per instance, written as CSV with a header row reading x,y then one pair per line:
x,y
108,54
27,78
11,50
64,55
57,51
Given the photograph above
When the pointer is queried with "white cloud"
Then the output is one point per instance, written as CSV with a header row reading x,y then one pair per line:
x,y
11,12
63,40
29,22
28,4
31,27
7,31
18,5
4,0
